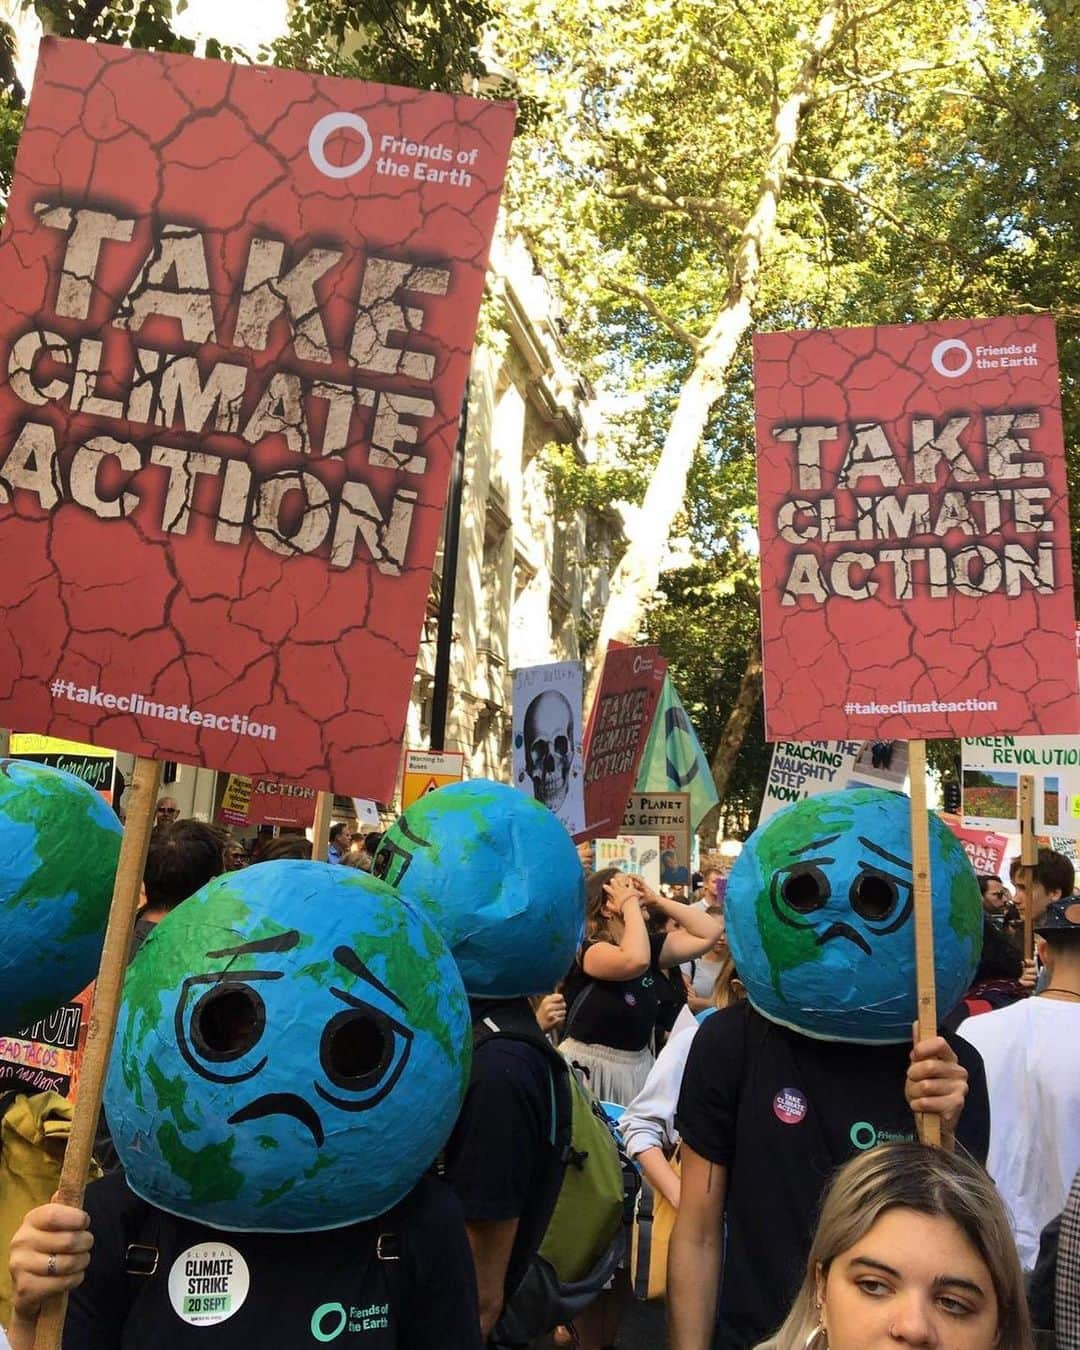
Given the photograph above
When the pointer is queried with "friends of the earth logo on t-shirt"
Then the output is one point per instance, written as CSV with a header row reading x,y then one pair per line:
x,y
789,1106
865,1136
329,1320
208,1283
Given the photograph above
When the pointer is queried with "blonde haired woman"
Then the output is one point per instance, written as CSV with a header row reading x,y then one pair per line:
x,y
913,1248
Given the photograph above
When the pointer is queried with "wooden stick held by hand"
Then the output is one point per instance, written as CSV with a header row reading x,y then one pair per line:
x,y
142,804
925,987
1029,855
320,830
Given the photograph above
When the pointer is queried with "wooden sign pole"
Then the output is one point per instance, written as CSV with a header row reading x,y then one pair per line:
x,y
145,783
925,987
320,832
1029,855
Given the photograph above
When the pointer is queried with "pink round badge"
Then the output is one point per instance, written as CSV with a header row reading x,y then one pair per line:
x,y
789,1106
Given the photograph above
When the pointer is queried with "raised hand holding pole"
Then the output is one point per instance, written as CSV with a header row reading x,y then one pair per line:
x,y
925,987
142,803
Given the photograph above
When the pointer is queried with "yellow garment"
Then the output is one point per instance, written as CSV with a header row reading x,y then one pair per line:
x,y
33,1136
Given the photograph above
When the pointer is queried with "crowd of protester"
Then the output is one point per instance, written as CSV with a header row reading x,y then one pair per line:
x,y
973,1246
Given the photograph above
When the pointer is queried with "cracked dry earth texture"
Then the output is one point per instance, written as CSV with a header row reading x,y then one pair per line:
x,y
914,531
234,369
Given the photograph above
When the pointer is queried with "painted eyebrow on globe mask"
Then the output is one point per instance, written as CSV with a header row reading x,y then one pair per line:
x,y
815,843
344,956
388,850
280,942
882,853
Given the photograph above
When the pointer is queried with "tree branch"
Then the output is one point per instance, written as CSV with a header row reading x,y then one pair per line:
x,y
814,180
883,77
690,206
646,301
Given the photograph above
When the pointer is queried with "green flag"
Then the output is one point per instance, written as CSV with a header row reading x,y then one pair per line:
x,y
673,760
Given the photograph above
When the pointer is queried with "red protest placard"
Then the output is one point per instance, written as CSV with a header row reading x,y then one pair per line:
x,y
619,724
236,311
915,569
985,848
263,801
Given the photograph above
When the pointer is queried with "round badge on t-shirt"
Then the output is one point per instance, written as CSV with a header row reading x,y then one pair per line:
x,y
789,1106
208,1283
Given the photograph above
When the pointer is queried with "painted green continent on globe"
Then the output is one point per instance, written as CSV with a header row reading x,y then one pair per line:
x,y
499,876
293,1048
59,845
819,911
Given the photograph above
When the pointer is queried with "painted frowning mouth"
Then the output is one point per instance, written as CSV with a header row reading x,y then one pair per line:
x,y
844,930
281,1104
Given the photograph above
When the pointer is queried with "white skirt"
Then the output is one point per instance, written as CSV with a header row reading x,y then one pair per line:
x,y
612,1075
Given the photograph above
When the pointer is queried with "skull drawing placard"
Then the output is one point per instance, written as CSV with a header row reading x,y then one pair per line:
x,y
547,738
549,747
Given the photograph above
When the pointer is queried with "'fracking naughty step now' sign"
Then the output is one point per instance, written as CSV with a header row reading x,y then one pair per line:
x,y
236,311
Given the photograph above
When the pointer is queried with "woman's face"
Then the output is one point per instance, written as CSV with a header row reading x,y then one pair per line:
x,y
912,1280
617,892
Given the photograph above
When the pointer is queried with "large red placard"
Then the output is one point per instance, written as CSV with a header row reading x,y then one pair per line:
x,y
915,569
236,311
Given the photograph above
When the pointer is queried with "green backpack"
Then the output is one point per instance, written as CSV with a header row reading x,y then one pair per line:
x,y
585,1240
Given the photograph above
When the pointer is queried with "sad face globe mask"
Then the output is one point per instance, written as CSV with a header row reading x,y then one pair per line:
x,y
500,878
820,919
59,843
292,1051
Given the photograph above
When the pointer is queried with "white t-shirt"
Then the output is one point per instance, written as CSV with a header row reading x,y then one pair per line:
x,y
1032,1055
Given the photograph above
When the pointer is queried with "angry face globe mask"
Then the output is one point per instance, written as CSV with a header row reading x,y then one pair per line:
x,y
292,1051
59,844
820,921
500,878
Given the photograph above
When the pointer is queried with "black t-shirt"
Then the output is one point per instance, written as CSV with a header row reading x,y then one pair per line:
x,y
781,1112
500,1158
216,1288
617,1013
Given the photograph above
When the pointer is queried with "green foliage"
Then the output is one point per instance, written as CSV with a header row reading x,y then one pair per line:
x,y
132,23
426,44
589,486
11,121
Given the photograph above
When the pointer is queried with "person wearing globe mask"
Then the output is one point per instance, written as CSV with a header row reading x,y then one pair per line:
x,y
499,877
817,1065
291,1054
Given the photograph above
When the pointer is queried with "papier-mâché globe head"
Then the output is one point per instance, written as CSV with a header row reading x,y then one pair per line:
x,y
500,878
59,844
819,913
292,1051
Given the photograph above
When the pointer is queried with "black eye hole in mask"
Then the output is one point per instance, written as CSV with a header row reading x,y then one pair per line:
x,y
881,900
224,1023
798,891
363,1052
391,860
227,1022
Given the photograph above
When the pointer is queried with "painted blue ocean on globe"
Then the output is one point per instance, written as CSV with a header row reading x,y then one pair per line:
x,y
292,1052
820,921
59,843
501,879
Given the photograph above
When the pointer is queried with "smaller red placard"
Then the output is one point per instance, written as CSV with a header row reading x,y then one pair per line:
x,y
619,724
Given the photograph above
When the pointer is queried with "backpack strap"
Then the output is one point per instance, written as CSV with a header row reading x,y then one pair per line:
x,y
514,1021
576,1007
